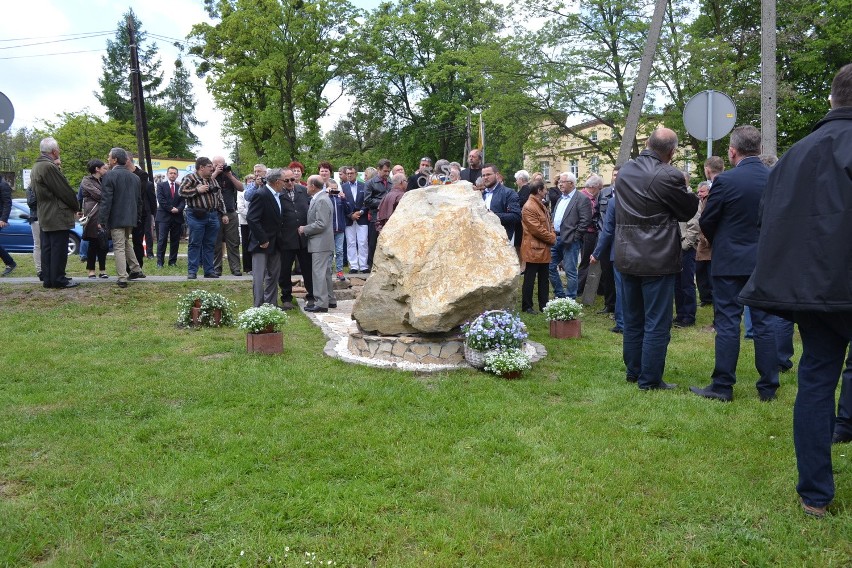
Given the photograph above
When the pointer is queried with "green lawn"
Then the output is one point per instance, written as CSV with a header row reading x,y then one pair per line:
x,y
125,441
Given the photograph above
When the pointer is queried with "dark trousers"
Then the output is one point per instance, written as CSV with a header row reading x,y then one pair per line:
x,y
784,342
608,283
6,257
148,224
533,271
702,278
138,235
285,280
728,314
590,241
825,338
684,293
843,425
372,239
54,258
170,232
96,253
244,240
647,306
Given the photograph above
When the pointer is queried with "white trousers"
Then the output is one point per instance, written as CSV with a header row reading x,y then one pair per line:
x,y
356,246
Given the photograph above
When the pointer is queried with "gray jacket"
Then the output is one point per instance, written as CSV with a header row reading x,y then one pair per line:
x,y
319,229
121,199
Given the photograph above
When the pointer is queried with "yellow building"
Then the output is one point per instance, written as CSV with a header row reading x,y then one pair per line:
x,y
591,149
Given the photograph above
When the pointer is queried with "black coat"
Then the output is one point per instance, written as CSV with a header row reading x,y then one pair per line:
x,y
729,220
295,216
804,257
265,222
652,198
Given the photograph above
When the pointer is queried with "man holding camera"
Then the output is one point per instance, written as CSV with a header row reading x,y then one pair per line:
x,y
228,232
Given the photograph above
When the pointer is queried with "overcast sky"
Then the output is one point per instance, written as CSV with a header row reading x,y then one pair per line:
x,y
44,86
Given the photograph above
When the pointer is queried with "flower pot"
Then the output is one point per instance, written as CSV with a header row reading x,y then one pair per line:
x,y
474,357
217,316
565,329
195,315
267,343
511,375
197,303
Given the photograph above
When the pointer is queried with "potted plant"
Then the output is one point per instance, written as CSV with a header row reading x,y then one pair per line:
x,y
564,316
507,363
263,329
492,330
200,307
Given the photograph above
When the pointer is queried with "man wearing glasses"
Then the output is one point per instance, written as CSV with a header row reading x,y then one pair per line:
x,y
294,210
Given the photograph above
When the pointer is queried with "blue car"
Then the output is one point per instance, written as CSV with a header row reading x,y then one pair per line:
x,y
17,236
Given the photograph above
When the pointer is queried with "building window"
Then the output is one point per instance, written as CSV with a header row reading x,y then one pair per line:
x,y
575,168
544,168
687,162
594,164
593,136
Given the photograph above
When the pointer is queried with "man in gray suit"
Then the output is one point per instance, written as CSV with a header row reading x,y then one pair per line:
x,y
320,233
571,216
121,207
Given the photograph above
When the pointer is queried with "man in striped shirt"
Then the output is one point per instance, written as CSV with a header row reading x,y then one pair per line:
x,y
205,208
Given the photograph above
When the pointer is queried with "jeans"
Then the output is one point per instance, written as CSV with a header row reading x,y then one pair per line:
x,y
784,342
728,314
338,251
202,240
619,295
647,305
825,338
568,256
84,250
843,425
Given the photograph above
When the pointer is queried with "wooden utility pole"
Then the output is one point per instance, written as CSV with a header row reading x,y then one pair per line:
x,y
143,150
768,81
632,124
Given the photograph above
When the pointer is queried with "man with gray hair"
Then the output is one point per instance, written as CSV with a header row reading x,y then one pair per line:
x,y
591,190
266,222
730,222
320,234
121,207
229,233
258,183
571,215
57,204
652,198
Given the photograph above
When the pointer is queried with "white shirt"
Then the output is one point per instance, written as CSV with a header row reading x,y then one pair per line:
x,y
561,206
277,197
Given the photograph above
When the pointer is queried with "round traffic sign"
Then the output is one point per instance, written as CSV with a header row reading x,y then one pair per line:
x,y
7,113
709,115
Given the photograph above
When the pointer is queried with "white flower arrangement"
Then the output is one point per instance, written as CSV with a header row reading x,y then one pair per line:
x,y
507,361
260,319
563,309
209,301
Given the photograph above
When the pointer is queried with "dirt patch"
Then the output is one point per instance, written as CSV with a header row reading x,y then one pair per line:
x,y
10,489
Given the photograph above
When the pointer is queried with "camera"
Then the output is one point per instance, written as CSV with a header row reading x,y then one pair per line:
x,y
425,177
227,168
259,181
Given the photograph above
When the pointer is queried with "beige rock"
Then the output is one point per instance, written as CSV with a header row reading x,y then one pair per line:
x,y
442,259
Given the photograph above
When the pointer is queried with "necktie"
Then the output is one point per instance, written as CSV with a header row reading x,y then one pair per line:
x,y
173,189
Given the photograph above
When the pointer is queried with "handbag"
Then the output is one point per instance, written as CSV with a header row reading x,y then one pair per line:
x,y
103,239
84,220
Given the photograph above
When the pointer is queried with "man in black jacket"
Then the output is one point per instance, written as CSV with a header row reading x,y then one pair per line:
x,y
294,209
652,198
169,217
266,221
802,272
375,191
121,203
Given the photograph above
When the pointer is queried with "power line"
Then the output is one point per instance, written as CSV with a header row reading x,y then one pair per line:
x,y
54,36
52,54
55,41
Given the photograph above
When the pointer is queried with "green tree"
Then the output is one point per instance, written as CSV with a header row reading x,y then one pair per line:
x,y
268,63
115,93
178,98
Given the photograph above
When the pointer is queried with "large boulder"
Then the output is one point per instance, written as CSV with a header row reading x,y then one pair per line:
x,y
441,260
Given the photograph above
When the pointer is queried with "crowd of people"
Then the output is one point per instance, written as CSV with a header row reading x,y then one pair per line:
x,y
752,239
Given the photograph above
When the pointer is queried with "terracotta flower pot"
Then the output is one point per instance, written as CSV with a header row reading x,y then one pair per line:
x,y
565,329
511,375
267,343
217,316
195,315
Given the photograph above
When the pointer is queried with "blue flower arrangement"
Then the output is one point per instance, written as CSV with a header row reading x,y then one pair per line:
x,y
495,329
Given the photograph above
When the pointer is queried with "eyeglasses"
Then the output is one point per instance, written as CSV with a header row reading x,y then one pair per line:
x,y
289,180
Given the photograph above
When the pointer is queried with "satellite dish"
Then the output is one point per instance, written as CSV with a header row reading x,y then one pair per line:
x,y
7,113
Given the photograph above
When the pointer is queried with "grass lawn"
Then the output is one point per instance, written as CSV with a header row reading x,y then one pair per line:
x,y
125,441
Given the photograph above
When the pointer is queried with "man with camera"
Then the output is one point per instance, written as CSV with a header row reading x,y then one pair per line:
x,y
423,175
228,232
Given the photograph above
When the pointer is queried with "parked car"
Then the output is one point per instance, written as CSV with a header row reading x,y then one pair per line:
x,y
18,237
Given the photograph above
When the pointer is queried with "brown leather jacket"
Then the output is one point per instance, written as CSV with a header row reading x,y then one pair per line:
x,y
538,232
704,251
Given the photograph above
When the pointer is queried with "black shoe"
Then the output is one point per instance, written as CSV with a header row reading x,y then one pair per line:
x,y
332,305
707,392
606,311
9,269
191,276
705,304
784,368
237,273
136,276
840,438
121,284
40,277
630,379
173,264
617,329
530,311
662,385
679,324
211,275
766,397
316,309
68,284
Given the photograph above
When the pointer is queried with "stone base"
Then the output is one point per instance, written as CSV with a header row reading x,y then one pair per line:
x,y
426,349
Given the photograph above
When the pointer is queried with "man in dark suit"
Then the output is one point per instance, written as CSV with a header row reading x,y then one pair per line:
x,y
266,221
294,209
149,206
730,222
501,200
474,169
375,191
571,215
169,217
357,224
